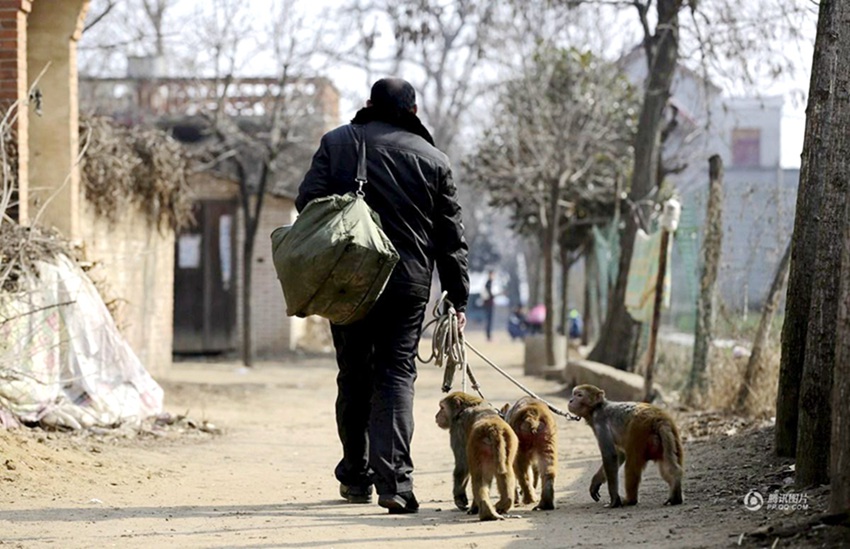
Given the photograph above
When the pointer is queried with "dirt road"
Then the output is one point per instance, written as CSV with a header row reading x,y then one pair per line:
x,y
267,480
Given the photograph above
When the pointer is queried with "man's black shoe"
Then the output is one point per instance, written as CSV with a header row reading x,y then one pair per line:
x,y
399,504
356,494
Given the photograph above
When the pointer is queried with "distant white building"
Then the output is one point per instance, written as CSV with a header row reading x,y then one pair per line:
x,y
760,196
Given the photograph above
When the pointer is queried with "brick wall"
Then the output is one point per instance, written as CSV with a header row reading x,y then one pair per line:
x,y
136,268
272,329
13,49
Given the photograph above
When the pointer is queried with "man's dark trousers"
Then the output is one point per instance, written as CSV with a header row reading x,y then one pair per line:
x,y
374,406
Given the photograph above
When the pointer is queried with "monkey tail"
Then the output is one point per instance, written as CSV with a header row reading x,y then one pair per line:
x,y
501,450
671,443
531,423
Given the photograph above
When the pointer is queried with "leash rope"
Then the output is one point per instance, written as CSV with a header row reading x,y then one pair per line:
x,y
448,348
526,390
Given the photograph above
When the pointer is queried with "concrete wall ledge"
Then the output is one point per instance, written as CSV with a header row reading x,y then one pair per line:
x,y
617,384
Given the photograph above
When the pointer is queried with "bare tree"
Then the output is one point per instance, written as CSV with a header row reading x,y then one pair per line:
x,y
840,457
820,131
442,48
559,140
819,227
725,37
814,431
155,10
446,49
618,333
115,30
271,142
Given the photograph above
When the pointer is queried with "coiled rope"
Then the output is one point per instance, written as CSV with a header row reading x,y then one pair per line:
x,y
447,346
448,350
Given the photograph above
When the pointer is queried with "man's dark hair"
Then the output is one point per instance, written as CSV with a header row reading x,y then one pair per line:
x,y
392,101
393,94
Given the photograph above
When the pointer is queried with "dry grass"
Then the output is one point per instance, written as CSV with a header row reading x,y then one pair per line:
x,y
725,376
727,373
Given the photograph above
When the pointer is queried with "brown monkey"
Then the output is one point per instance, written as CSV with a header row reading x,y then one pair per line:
x,y
484,447
634,432
537,433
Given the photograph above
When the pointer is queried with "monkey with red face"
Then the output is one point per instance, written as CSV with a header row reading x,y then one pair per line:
x,y
484,448
632,433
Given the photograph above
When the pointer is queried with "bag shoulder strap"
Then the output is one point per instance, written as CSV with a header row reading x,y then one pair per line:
x,y
360,179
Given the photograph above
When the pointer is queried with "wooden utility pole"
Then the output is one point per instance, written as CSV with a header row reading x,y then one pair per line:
x,y
656,316
669,222
712,243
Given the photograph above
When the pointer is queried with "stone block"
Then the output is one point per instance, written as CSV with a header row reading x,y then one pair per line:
x,y
617,384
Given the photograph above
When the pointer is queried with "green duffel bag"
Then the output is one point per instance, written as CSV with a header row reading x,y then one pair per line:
x,y
335,260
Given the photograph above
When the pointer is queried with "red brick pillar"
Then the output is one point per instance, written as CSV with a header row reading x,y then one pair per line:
x,y
13,87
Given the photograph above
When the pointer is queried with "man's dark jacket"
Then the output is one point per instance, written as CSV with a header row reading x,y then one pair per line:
x,y
410,187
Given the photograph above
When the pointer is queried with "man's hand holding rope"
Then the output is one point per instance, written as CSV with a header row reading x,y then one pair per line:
x,y
461,320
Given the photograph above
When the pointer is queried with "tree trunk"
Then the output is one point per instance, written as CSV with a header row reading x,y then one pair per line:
x,y
816,146
247,290
251,221
564,316
814,427
840,458
617,335
549,243
744,403
711,246
600,305
590,279
533,262
615,345
566,265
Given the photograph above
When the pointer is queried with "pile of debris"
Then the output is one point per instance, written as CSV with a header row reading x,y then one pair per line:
x,y
63,362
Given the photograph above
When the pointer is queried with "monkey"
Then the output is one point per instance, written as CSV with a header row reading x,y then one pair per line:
x,y
484,448
634,433
537,433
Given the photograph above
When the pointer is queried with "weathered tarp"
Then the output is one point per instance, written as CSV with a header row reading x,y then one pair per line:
x,y
643,273
63,361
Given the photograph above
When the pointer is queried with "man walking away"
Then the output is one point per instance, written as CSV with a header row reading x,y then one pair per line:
x,y
410,187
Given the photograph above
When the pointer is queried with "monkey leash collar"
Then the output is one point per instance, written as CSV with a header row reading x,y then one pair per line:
x,y
449,347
